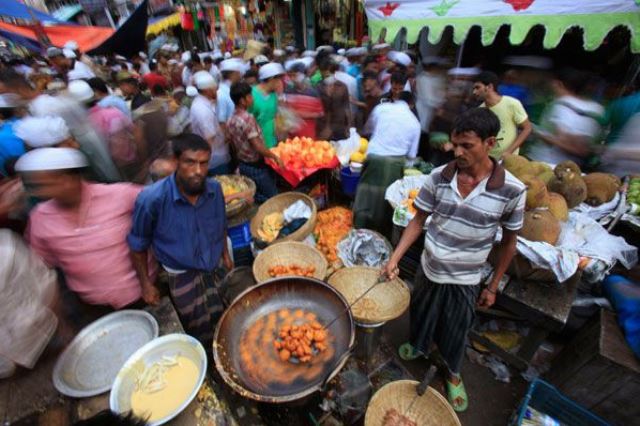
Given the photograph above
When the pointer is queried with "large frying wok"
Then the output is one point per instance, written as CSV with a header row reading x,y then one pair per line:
x,y
258,373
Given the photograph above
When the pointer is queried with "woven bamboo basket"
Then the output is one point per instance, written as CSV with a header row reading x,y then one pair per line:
x,y
238,205
387,301
289,253
430,409
278,204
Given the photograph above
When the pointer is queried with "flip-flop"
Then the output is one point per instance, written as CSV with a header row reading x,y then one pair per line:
x,y
457,391
408,352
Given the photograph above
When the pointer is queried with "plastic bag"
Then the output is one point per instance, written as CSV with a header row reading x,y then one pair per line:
x,y
346,147
297,210
364,247
397,192
287,121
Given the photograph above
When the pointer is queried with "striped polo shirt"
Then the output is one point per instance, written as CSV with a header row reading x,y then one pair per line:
x,y
462,231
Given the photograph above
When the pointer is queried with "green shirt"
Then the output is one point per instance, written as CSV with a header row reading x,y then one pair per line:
x,y
264,109
511,114
316,78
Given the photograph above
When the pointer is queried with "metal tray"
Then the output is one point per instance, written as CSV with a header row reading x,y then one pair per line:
x,y
91,362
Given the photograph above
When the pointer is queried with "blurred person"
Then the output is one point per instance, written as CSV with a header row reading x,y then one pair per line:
x,y
265,100
141,59
70,68
398,82
468,201
352,87
115,128
175,72
213,69
337,119
511,85
28,290
515,126
154,78
246,137
231,71
182,219
430,92
397,62
105,98
179,112
620,111
204,123
130,88
394,141
371,96
163,65
571,124
11,145
355,56
81,230
72,45
458,98
622,158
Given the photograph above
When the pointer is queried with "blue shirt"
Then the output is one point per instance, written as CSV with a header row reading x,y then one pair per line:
x,y
11,146
183,236
225,104
116,102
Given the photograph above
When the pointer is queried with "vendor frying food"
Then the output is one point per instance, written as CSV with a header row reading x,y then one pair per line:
x,y
468,200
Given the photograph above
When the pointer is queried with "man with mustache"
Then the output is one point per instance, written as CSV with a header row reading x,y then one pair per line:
x,y
182,219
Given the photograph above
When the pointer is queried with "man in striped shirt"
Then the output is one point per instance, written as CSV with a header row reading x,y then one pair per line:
x,y
468,200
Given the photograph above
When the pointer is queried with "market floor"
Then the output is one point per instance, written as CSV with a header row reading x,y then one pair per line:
x,y
490,402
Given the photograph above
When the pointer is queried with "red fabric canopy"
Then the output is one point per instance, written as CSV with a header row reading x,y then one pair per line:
x,y
87,37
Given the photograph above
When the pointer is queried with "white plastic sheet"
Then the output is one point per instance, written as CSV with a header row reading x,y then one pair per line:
x,y
600,211
399,191
346,147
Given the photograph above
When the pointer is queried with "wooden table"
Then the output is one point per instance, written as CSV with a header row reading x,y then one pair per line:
x,y
30,397
545,306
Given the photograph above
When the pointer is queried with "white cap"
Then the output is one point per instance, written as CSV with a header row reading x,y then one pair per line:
x,y
204,80
227,55
217,55
324,47
308,54
43,159
233,64
361,51
71,45
341,52
68,53
260,59
279,52
142,55
381,46
80,90
191,91
174,47
400,58
40,132
172,62
9,100
186,57
79,74
269,70
166,46
120,58
464,72
290,49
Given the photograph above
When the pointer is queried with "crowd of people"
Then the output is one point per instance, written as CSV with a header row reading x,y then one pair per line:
x,y
105,162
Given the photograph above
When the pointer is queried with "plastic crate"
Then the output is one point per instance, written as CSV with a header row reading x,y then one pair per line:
x,y
240,235
548,400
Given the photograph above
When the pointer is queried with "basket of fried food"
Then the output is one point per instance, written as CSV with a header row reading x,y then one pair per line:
x,y
392,405
386,301
238,193
289,258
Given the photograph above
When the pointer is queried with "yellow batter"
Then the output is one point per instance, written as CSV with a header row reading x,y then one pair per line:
x,y
180,380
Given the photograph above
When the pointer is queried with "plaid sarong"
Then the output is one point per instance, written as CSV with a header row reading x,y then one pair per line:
x,y
442,314
195,297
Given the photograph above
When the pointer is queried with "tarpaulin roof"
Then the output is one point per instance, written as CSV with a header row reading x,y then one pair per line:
x,y
129,38
596,18
16,10
87,37
67,12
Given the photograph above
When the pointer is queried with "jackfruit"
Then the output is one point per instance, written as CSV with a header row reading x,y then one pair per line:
x,y
570,185
558,206
546,176
540,225
516,165
567,167
538,167
601,188
536,192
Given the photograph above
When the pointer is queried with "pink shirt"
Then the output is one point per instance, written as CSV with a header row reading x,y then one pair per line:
x,y
89,244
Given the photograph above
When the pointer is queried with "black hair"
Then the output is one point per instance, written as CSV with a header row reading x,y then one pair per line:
x,y
399,78
158,90
407,97
250,74
239,91
574,80
481,121
10,78
226,74
488,78
369,60
188,142
98,85
109,418
369,75
153,65
208,60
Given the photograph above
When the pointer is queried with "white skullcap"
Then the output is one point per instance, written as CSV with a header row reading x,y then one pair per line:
x,y
341,52
40,132
324,47
227,55
186,57
120,58
217,55
68,53
174,47
53,52
308,54
9,100
464,72
79,74
233,64
308,61
349,52
381,46
71,45
43,159
166,46
172,62
142,55
191,91
361,51
400,58
290,49
269,70
204,80
260,59
289,65
279,52
80,90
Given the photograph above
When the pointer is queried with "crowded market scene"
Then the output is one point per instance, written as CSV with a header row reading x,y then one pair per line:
x,y
406,213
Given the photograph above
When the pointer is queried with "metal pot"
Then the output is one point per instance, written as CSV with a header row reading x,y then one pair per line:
x,y
259,374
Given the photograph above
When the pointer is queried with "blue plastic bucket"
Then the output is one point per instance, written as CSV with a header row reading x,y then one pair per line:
x,y
240,235
349,181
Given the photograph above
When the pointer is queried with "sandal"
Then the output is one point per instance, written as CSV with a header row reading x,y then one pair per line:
x,y
457,392
408,352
